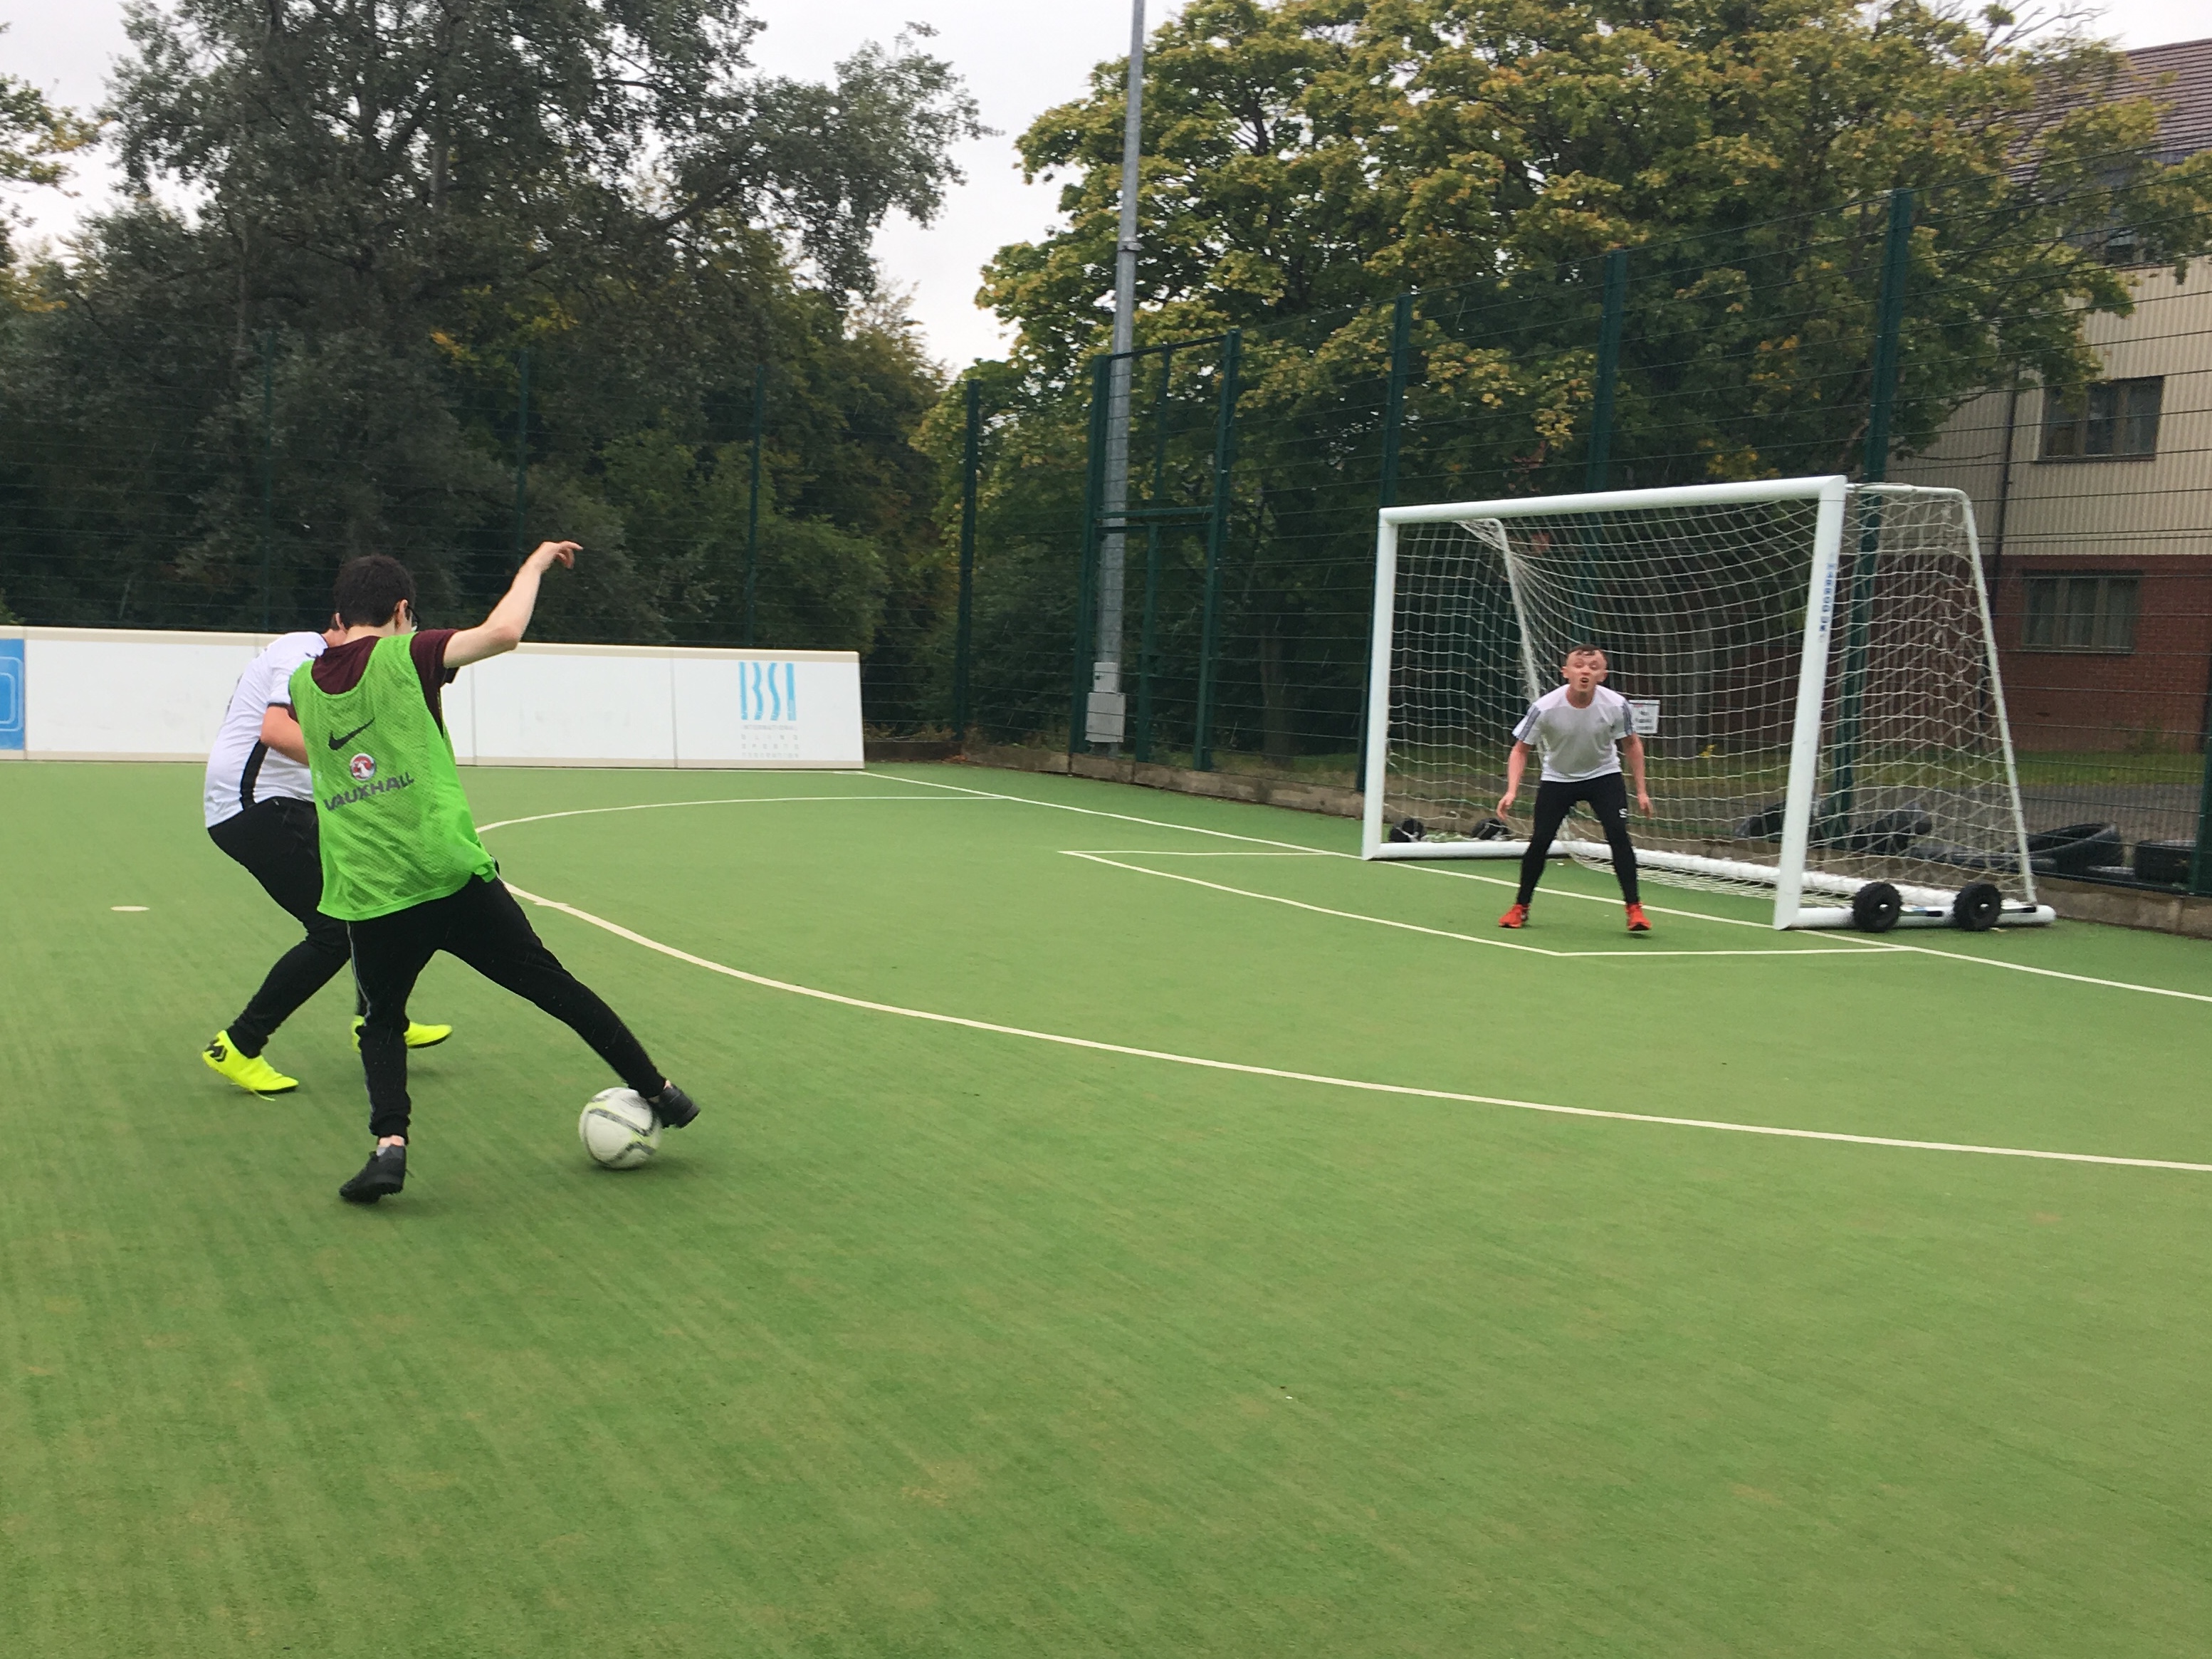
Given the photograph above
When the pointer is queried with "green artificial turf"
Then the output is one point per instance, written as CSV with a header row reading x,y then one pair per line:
x,y
933,1340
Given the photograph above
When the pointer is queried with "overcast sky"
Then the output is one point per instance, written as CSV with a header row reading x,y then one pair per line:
x,y
1020,58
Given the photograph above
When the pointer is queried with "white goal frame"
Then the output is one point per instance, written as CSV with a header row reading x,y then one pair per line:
x,y
1791,881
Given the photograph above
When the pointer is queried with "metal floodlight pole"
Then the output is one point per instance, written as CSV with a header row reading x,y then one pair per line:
x,y
1104,723
1086,573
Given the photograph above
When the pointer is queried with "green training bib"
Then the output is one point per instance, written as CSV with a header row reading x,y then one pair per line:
x,y
395,822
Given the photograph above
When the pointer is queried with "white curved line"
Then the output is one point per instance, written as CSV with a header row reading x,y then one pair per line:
x,y
620,931
657,805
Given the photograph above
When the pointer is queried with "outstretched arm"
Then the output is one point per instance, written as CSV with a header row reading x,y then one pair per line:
x,y
1517,764
502,630
1631,750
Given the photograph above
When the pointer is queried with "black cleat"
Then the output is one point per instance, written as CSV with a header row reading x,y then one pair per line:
x,y
673,1107
383,1174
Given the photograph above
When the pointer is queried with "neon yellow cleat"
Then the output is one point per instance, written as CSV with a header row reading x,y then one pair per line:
x,y
419,1036
256,1076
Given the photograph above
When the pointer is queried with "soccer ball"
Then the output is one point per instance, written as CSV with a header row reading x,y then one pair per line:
x,y
618,1129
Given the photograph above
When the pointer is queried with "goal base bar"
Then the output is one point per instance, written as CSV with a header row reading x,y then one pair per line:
x,y
1930,916
1924,906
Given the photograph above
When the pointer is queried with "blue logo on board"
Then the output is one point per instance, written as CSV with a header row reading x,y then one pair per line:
x,y
11,694
767,691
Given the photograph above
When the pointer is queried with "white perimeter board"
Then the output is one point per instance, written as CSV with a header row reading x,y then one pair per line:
x,y
132,694
123,694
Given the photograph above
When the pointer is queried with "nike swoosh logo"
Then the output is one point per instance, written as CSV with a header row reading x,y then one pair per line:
x,y
340,743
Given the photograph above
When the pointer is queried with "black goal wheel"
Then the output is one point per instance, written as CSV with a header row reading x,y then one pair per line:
x,y
1976,907
1875,907
1410,829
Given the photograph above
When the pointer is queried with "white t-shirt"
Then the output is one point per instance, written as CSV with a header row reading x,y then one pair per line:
x,y
1577,744
243,769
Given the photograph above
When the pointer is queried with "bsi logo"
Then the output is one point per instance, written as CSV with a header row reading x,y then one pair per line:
x,y
767,691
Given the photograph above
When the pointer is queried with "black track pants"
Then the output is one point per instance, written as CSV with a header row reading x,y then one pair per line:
x,y
482,926
1607,795
276,841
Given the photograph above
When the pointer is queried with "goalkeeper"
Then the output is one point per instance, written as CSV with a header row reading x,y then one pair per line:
x,y
1583,732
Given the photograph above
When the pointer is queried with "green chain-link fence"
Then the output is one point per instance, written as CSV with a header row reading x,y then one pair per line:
x,y
173,474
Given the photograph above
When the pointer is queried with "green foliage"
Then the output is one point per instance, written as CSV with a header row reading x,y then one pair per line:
x,y
33,137
392,203
1306,161
1312,154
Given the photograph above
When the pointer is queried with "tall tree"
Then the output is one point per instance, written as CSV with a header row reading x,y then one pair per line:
x,y
1305,160
353,219
1307,154
34,138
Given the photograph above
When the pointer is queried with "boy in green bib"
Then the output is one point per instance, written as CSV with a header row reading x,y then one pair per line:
x,y
402,865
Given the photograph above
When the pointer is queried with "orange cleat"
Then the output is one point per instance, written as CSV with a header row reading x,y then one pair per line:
x,y
1517,917
1637,921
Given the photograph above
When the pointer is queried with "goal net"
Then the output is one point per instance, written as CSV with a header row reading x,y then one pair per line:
x,y
1810,664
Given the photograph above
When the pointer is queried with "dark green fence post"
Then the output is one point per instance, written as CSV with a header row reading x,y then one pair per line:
x,y
1385,491
1598,467
752,502
1866,563
268,467
1608,369
1147,630
521,449
1393,397
1094,483
2200,866
1216,539
969,452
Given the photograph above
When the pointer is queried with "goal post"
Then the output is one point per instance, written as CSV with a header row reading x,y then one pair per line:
x,y
1811,663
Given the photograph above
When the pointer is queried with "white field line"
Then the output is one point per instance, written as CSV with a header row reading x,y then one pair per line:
x,y
1411,864
1171,852
1321,852
1632,952
660,806
762,980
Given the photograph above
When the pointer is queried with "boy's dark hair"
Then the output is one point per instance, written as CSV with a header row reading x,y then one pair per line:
x,y
1574,651
369,590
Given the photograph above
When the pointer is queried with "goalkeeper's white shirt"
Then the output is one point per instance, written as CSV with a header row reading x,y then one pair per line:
x,y
242,770
1577,744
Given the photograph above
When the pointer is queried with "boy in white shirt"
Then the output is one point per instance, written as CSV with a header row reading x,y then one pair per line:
x,y
260,807
1583,732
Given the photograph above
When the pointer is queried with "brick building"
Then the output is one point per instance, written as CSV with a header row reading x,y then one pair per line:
x,y
2096,522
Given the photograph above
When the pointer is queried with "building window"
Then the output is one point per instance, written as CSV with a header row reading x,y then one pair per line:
x,y
2080,613
2120,246
2114,418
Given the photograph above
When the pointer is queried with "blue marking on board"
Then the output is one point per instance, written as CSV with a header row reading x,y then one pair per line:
x,y
762,695
11,694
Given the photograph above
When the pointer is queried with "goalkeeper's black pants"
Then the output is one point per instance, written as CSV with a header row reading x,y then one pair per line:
x,y
1606,795
482,926
275,840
